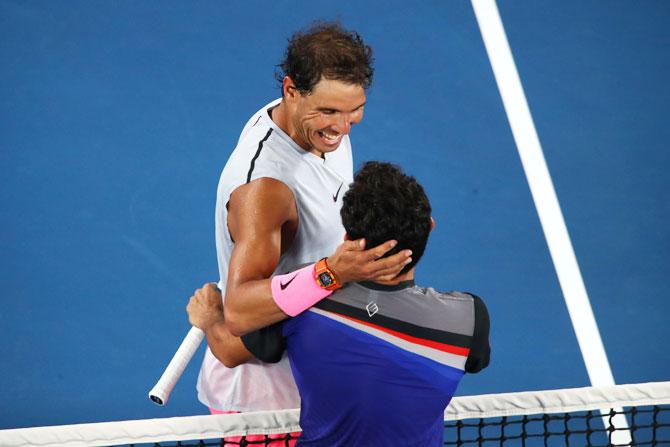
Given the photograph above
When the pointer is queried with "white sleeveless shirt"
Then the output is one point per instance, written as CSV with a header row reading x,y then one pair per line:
x,y
264,150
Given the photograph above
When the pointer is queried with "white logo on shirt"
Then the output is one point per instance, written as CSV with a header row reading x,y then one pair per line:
x,y
372,308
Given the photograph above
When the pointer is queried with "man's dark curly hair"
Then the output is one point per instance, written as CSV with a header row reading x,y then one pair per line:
x,y
326,50
384,203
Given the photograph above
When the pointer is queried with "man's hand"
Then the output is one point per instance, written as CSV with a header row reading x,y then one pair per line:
x,y
205,307
205,311
351,262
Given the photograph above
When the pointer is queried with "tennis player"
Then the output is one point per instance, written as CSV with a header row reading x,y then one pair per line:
x,y
278,203
377,362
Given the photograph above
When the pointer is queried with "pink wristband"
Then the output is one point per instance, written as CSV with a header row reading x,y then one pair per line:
x,y
297,291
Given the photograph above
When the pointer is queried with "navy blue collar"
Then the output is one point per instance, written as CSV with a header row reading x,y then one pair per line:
x,y
387,288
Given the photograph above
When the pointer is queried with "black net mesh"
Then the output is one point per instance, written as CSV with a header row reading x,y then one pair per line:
x,y
647,426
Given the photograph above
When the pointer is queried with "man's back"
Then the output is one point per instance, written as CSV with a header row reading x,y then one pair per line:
x,y
373,357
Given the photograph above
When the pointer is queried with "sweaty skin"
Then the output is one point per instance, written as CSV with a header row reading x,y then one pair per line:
x,y
261,214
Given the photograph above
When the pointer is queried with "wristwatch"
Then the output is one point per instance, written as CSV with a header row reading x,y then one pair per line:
x,y
325,277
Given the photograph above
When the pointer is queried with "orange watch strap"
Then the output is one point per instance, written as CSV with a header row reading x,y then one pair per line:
x,y
320,268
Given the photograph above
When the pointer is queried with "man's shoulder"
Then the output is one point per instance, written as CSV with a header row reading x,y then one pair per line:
x,y
472,319
257,117
450,295
258,130
259,152
462,317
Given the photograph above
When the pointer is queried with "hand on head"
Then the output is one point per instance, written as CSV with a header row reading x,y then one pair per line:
x,y
352,262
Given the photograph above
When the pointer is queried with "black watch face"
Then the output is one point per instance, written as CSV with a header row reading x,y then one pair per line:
x,y
325,279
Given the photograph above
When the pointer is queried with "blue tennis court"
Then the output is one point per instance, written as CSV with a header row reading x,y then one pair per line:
x,y
116,119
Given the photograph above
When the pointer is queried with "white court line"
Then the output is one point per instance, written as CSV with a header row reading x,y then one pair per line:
x,y
544,196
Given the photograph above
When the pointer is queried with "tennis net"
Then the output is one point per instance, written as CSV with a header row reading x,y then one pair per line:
x,y
620,415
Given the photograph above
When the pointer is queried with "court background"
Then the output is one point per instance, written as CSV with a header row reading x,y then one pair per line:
x,y
116,119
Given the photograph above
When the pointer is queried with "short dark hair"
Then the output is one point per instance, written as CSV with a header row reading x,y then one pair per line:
x,y
384,203
326,50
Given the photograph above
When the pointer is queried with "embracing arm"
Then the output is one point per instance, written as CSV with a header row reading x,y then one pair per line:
x,y
257,213
205,311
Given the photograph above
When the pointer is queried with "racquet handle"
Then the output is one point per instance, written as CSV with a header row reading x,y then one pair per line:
x,y
161,391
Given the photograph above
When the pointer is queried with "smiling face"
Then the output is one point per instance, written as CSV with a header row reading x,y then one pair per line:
x,y
317,121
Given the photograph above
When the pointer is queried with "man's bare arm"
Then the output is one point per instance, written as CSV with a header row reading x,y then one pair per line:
x,y
257,213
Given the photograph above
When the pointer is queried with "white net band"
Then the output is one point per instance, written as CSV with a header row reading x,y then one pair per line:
x,y
154,430
558,401
274,422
